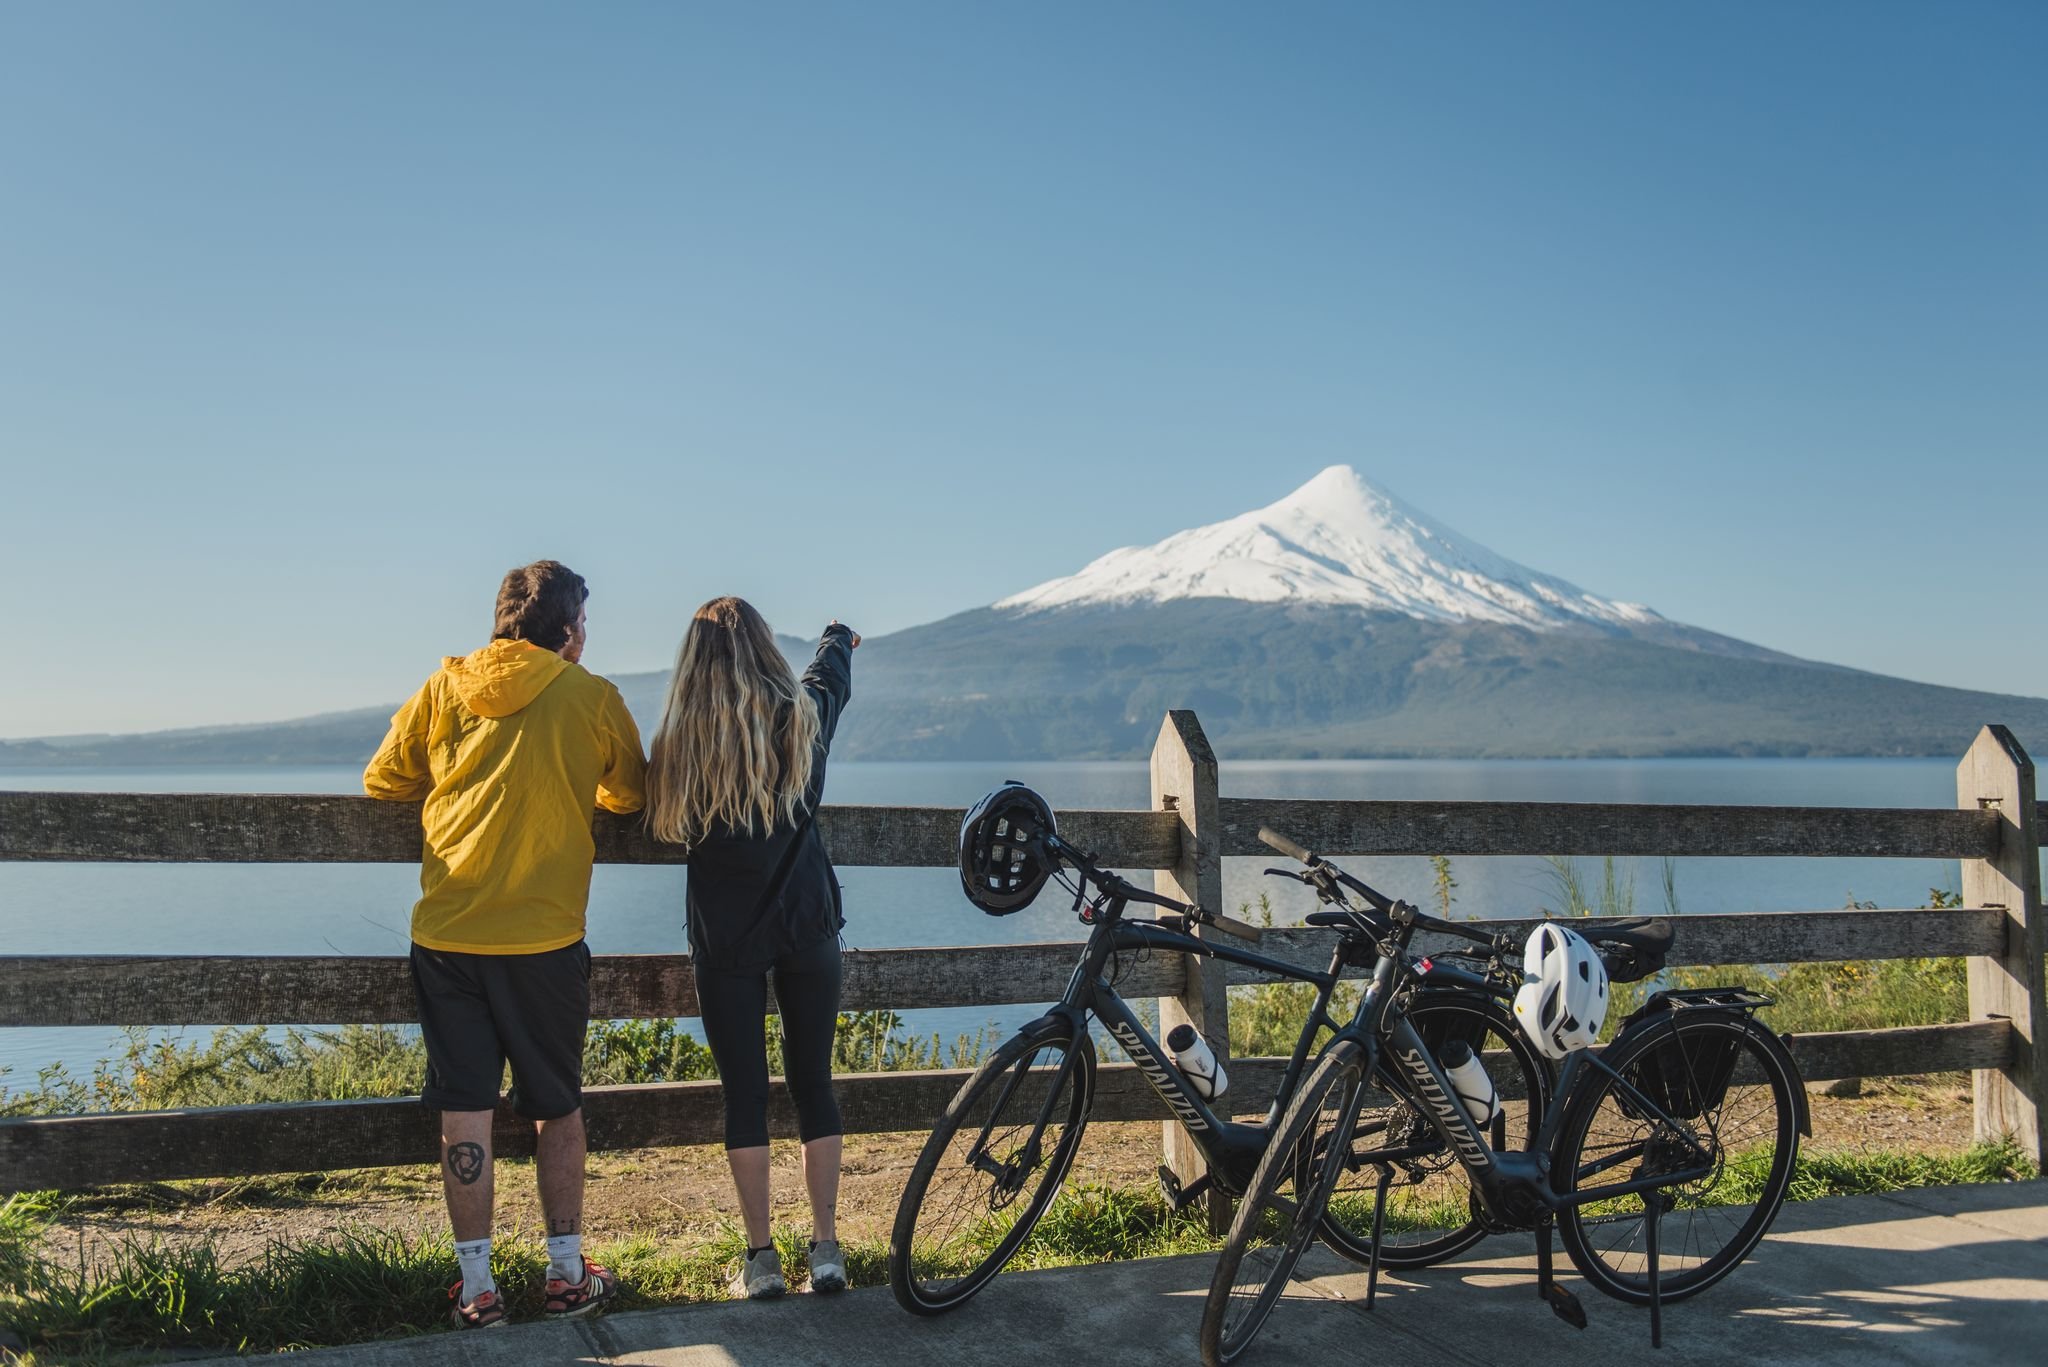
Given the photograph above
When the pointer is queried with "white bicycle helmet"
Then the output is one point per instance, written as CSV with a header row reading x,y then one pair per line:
x,y
1563,1001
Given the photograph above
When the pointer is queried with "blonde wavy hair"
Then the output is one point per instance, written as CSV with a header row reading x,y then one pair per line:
x,y
734,744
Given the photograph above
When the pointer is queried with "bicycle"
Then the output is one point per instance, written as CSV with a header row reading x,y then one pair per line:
x,y
1692,1088
1459,997
1004,1144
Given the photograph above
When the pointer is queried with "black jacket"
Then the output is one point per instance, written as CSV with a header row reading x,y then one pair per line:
x,y
739,921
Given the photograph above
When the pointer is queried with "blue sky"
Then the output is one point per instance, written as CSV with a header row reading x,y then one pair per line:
x,y
313,320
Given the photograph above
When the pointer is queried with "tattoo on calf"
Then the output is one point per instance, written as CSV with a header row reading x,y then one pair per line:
x,y
466,1161
556,1227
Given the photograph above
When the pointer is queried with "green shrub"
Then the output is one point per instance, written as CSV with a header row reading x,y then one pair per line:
x,y
160,1070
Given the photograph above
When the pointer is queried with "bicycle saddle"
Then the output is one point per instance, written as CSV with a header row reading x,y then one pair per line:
x,y
1632,950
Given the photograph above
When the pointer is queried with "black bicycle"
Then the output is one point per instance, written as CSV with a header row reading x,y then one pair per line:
x,y
1662,1163
1459,1001
999,1153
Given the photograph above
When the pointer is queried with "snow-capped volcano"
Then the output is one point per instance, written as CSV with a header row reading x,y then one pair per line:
x,y
1338,540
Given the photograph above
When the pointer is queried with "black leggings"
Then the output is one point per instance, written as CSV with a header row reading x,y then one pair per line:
x,y
735,1013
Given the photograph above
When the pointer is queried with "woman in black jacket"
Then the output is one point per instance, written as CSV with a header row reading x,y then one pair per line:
x,y
734,774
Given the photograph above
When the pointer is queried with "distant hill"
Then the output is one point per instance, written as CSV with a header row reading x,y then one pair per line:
x,y
1337,622
1322,681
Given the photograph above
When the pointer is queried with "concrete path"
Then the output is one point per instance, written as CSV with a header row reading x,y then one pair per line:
x,y
1950,1275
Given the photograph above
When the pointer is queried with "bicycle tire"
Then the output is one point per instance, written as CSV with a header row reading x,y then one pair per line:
x,y
1430,1183
1270,1230
1751,1130
944,1215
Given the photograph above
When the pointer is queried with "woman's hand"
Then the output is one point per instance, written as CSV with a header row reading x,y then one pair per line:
x,y
849,631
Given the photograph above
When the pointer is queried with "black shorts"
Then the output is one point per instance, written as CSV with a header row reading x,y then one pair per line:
x,y
480,1011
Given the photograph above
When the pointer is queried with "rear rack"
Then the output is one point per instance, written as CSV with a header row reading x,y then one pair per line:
x,y
1708,999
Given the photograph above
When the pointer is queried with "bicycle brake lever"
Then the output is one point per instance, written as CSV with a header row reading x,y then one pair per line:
x,y
1298,875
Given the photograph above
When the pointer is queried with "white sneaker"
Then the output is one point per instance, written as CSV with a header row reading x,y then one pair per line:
x,y
828,1267
760,1276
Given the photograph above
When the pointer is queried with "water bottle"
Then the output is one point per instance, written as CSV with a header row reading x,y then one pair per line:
x,y
1193,1056
1469,1080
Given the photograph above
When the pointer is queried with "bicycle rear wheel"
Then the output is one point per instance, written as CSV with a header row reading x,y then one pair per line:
x,y
1431,1210
1733,1088
1277,1219
991,1166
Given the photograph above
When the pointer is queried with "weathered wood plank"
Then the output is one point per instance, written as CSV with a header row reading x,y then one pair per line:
x,y
1778,937
320,828
332,989
1535,828
337,989
1903,1051
67,1152
1184,779
1996,779
294,828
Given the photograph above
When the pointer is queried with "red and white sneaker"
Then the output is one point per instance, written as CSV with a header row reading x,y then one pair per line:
x,y
487,1311
567,1302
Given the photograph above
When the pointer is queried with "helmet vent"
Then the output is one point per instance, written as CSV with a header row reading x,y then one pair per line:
x,y
1002,866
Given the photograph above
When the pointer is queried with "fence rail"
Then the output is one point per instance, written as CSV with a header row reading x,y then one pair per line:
x,y
1993,831
108,989
291,828
163,1146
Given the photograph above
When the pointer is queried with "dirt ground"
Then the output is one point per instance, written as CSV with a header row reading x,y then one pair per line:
x,y
686,1196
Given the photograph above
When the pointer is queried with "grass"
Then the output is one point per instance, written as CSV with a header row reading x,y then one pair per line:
x,y
1849,995
157,1070
362,1284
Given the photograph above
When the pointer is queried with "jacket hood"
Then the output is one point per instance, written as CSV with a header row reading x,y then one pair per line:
x,y
503,677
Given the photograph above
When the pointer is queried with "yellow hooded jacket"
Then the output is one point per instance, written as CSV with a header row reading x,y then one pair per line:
x,y
509,747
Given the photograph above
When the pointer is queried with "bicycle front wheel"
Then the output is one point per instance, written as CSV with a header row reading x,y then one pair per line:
x,y
1726,1087
991,1166
1432,1211
1277,1219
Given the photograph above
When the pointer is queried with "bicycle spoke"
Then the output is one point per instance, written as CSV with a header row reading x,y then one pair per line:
x,y
990,1166
1431,1208
1744,1137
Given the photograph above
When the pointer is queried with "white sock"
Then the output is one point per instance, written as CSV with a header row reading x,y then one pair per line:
x,y
475,1258
565,1257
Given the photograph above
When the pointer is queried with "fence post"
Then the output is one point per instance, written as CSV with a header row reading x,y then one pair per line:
x,y
1997,776
1184,781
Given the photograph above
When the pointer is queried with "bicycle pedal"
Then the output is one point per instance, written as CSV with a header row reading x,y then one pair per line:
x,y
1565,1306
1178,1197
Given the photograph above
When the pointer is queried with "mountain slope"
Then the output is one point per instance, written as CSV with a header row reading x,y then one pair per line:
x,y
1315,680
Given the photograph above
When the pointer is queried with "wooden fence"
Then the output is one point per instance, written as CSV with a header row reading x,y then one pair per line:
x,y
1994,832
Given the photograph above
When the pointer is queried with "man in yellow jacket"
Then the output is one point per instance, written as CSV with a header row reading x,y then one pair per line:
x,y
508,749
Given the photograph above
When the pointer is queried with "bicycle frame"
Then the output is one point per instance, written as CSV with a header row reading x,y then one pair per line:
x,y
1504,1178
1230,1148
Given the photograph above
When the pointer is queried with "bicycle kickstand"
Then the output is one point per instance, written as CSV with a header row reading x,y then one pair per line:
x,y
1561,1302
1379,1228
1654,1200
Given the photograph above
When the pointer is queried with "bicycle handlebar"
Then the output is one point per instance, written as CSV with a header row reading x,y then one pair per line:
x,y
1131,892
1402,913
1115,886
1274,840
1243,930
1378,900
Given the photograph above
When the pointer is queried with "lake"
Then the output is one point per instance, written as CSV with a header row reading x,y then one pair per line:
x,y
364,908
